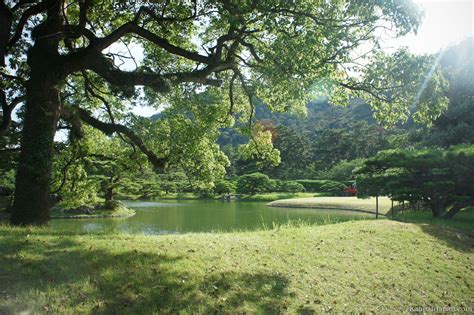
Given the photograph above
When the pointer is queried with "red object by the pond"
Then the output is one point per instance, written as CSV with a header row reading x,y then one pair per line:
x,y
350,191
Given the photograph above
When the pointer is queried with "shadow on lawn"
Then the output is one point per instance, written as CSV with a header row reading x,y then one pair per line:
x,y
460,240
457,232
72,274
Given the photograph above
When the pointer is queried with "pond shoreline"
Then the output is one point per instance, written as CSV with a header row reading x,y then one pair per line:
x,y
319,208
336,203
94,216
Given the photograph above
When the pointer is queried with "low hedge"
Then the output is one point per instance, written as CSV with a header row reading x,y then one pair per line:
x,y
315,185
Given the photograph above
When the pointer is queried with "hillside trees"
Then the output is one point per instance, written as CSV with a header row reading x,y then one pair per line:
x,y
60,58
455,126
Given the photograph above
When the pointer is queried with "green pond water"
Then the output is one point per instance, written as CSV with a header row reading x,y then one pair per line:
x,y
181,216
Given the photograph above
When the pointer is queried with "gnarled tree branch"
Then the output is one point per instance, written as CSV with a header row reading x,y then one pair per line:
x,y
159,163
7,110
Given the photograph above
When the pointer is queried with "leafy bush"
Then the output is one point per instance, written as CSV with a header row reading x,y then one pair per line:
x,y
224,187
334,188
292,186
168,187
254,183
278,185
7,183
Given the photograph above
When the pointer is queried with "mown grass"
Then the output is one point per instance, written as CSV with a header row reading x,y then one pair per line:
x,y
343,203
360,266
463,220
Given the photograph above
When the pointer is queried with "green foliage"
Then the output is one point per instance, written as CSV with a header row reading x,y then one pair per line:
x,y
223,187
294,148
260,148
422,96
95,167
343,170
254,183
112,204
7,180
169,187
311,185
309,146
455,126
333,188
292,186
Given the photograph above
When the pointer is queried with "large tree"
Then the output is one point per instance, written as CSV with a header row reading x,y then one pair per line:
x,y
442,179
61,58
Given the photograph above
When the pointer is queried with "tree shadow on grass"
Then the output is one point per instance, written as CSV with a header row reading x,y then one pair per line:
x,y
457,233
266,292
64,275
459,240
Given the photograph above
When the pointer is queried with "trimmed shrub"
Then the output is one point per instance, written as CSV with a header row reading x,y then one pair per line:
x,y
254,183
333,188
292,186
224,187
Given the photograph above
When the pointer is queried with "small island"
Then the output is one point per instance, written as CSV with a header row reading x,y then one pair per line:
x,y
108,209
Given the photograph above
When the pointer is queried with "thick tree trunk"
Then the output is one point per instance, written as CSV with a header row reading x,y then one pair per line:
x,y
32,193
109,194
437,208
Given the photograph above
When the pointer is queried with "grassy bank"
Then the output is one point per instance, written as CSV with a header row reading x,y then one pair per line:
x,y
185,196
359,266
342,203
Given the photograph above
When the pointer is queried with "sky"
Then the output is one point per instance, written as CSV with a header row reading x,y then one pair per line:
x,y
446,22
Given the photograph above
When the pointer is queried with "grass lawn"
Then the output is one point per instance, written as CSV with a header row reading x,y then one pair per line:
x,y
344,203
361,266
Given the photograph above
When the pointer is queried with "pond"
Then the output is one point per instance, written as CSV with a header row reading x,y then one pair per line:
x,y
181,216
